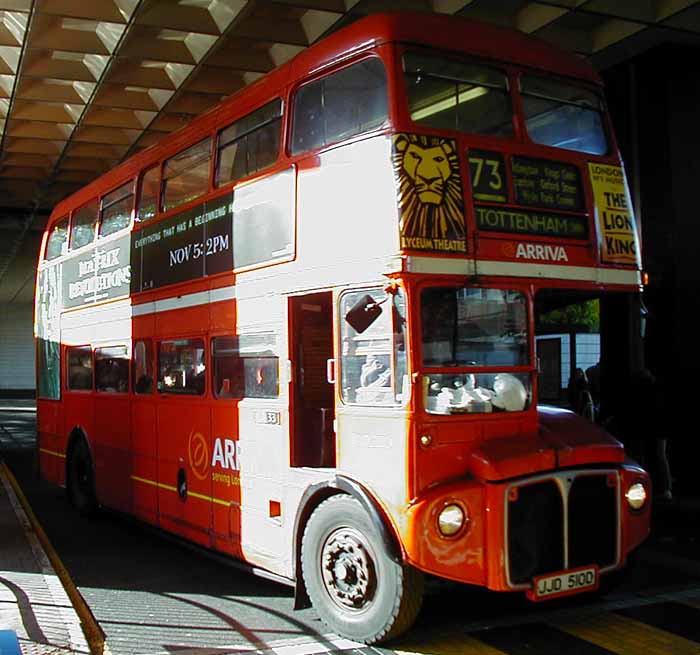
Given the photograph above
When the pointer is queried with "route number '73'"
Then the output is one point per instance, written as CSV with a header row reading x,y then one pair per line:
x,y
488,179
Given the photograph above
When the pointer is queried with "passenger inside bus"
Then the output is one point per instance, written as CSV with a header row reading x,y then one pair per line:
x,y
143,379
143,384
111,374
80,370
261,377
197,375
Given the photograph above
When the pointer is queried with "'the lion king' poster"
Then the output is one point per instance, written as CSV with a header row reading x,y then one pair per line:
x,y
430,198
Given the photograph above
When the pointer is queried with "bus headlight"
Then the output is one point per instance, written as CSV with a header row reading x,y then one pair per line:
x,y
636,496
451,520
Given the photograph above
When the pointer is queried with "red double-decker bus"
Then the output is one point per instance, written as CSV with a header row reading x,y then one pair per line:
x,y
301,330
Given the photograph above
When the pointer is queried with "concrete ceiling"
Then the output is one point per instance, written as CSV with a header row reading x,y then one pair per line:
x,y
86,83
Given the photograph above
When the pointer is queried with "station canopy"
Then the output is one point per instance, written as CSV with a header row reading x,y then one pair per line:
x,y
86,83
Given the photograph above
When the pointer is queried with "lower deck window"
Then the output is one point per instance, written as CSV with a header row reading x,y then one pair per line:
x,y
112,369
246,366
80,368
143,366
181,367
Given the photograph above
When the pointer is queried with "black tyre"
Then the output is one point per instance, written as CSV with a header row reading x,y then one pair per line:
x,y
357,589
80,479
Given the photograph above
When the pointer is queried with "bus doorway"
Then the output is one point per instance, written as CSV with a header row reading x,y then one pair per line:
x,y
312,396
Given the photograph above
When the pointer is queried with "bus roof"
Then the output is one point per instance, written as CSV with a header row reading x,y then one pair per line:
x,y
448,33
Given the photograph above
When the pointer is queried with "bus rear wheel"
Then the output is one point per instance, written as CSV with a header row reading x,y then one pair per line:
x,y
80,479
355,586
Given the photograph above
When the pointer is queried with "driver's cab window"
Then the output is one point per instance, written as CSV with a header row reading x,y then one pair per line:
x,y
373,367
475,350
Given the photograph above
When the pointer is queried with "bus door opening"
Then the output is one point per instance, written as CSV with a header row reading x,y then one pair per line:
x,y
313,411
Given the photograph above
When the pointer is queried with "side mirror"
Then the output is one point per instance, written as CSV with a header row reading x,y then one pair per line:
x,y
363,313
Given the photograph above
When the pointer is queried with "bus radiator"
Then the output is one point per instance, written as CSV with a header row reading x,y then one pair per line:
x,y
568,512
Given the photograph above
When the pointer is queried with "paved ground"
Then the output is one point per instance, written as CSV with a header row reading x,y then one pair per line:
x,y
151,595
33,602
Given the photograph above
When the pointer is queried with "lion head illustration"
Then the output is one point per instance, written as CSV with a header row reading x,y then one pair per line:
x,y
430,187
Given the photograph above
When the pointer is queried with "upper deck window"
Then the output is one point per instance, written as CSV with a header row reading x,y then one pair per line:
x,y
340,105
116,209
186,175
57,244
452,95
84,225
250,144
563,115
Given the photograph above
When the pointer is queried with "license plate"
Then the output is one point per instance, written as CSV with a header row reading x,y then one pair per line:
x,y
565,583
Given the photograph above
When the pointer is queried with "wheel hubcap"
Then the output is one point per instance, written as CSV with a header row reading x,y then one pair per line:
x,y
348,570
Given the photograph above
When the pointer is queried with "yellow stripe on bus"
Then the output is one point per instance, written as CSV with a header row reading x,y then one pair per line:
x,y
625,636
153,483
457,645
52,452
168,487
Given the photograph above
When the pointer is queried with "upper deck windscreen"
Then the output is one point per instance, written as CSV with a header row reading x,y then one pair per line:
x,y
452,95
448,94
563,115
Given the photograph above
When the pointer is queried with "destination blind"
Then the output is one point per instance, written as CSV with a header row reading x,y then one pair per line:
x,y
550,195
499,219
546,184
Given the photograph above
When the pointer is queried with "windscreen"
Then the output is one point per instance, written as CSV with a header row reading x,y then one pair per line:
x,y
563,115
475,329
453,95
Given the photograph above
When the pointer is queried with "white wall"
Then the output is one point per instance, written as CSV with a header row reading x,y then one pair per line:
x,y
16,347
587,350
587,353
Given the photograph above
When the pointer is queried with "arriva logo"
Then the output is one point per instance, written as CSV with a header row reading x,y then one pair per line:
x,y
199,455
541,252
227,454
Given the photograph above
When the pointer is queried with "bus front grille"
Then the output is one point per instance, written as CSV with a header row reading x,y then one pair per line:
x,y
593,521
535,531
561,522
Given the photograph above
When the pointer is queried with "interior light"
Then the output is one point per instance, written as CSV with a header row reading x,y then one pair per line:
x,y
449,103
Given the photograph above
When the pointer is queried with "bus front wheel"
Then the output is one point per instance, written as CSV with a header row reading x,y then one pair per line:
x,y
358,590
81,479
